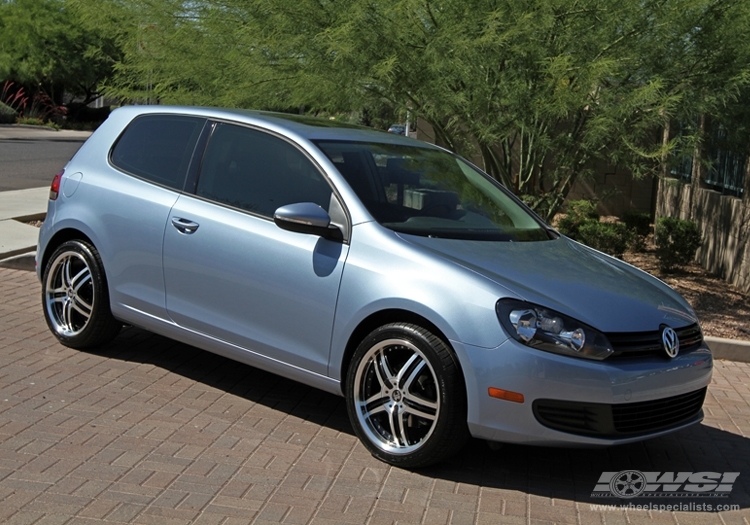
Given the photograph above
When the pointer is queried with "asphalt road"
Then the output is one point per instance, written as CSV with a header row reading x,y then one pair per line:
x,y
32,163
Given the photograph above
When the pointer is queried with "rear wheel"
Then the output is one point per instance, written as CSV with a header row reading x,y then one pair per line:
x,y
406,397
75,297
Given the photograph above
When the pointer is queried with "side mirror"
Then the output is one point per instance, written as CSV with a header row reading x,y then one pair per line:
x,y
306,217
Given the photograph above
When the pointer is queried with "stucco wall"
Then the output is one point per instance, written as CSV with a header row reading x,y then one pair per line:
x,y
615,190
724,222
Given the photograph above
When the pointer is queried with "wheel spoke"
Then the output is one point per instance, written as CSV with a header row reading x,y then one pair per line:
x,y
57,296
67,310
82,307
420,403
379,409
419,412
374,405
404,370
393,417
416,370
80,279
66,279
401,427
379,397
383,371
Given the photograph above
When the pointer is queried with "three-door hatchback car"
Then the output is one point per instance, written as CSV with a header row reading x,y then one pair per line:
x,y
370,265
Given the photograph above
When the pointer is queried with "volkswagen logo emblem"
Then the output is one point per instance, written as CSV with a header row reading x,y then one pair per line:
x,y
670,341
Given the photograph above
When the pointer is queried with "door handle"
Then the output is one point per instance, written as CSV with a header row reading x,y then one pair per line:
x,y
184,226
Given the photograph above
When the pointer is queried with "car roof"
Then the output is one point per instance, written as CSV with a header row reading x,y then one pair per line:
x,y
304,126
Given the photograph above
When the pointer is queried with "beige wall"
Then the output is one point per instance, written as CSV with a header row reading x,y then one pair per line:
x,y
616,191
724,222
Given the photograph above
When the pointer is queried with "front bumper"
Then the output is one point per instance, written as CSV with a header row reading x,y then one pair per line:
x,y
542,376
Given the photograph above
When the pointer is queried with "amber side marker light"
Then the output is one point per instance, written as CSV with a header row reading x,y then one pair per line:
x,y
507,395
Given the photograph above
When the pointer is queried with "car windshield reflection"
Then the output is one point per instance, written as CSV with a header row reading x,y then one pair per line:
x,y
430,192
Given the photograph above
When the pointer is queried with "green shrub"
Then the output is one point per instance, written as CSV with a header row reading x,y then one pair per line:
x,y
582,224
609,237
639,222
579,212
7,114
34,121
676,242
30,121
637,242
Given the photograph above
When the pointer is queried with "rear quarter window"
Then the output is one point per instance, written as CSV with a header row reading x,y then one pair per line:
x,y
158,148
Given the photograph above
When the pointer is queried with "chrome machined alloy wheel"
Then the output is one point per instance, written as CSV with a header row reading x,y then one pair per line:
x,y
69,293
75,296
406,396
396,397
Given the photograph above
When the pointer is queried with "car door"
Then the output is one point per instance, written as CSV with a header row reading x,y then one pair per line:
x,y
155,151
231,273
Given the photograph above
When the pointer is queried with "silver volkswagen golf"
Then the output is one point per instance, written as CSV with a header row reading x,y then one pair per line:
x,y
369,265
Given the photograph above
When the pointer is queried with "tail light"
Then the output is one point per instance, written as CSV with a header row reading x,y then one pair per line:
x,y
54,189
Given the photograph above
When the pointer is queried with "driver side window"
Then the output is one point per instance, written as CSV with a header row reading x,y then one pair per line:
x,y
258,172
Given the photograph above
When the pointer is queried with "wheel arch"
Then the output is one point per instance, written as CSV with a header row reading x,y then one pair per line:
x,y
64,235
383,317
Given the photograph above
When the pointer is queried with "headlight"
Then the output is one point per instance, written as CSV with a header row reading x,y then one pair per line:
x,y
542,328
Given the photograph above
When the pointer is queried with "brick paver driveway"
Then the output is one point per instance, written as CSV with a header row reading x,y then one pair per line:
x,y
147,430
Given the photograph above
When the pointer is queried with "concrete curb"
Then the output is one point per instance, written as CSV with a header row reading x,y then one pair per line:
x,y
729,349
17,238
26,261
16,208
24,132
27,126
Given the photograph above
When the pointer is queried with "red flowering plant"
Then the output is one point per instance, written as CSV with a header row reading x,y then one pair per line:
x,y
44,109
13,101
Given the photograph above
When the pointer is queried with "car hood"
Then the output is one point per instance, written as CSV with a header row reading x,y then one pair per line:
x,y
563,275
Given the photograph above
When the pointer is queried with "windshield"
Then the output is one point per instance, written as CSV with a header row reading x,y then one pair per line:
x,y
431,192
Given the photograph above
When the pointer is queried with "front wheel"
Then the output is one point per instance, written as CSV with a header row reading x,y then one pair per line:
x,y
75,297
406,397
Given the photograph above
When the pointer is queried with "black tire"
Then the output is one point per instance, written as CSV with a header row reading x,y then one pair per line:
x,y
410,411
75,297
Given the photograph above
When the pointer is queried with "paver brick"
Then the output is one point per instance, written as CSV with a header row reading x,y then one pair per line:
x,y
98,509
125,512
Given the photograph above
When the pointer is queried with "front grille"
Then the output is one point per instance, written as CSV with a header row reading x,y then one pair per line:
x,y
620,420
628,345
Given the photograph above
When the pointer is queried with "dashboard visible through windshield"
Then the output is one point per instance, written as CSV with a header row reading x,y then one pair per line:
x,y
430,192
